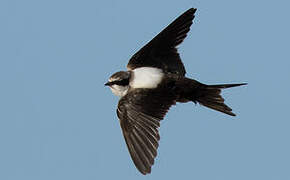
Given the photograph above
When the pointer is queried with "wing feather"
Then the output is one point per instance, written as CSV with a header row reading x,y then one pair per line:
x,y
140,113
161,51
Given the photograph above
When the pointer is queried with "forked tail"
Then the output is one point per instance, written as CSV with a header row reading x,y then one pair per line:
x,y
211,97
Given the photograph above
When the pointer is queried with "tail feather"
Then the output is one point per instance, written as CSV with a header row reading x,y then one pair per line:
x,y
211,97
224,86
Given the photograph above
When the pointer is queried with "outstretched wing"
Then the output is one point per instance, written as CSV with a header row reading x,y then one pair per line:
x,y
140,113
161,51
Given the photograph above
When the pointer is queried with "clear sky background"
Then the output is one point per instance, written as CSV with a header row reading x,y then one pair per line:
x,y
58,121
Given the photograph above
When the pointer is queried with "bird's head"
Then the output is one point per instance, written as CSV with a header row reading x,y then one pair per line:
x,y
119,83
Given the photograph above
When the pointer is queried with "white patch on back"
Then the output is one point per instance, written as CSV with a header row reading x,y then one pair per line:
x,y
146,77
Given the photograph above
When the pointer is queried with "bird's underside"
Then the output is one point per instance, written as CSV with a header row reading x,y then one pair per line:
x,y
141,109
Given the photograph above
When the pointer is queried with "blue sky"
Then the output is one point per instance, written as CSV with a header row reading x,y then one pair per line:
x,y
58,121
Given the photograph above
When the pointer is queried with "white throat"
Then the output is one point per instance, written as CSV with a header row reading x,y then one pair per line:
x,y
119,90
146,77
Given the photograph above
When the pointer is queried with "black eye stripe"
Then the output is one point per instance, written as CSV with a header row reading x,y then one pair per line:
x,y
123,82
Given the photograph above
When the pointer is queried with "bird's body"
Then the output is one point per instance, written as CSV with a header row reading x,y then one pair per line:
x,y
155,80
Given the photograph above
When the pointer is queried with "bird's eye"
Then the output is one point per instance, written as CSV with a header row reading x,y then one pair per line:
x,y
123,82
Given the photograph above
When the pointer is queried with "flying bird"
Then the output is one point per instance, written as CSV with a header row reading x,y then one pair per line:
x,y
154,81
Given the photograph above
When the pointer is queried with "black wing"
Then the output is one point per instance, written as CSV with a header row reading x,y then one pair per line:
x,y
140,113
161,51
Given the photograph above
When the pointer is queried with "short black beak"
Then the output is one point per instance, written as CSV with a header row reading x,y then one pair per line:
x,y
108,84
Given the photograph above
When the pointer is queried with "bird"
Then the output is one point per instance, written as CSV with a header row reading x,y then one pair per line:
x,y
153,82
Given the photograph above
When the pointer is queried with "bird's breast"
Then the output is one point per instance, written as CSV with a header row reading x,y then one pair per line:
x,y
146,77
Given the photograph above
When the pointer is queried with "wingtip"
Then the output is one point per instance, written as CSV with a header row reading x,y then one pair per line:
x,y
231,114
145,172
192,10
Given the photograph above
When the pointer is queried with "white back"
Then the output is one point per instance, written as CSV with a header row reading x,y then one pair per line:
x,y
146,77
